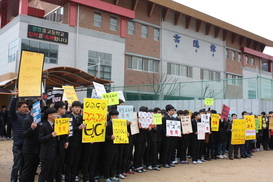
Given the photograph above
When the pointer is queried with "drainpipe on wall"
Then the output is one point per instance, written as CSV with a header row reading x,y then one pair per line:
x,y
77,36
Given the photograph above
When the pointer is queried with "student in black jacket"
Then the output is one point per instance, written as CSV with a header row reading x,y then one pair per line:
x,y
49,146
31,147
193,137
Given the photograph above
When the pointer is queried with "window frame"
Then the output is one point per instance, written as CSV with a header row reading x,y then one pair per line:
x,y
97,22
144,31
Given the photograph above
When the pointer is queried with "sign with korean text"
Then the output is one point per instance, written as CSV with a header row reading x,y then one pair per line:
x,y
99,88
126,112
225,112
214,122
54,96
36,110
238,132
134,126
70,94
120,131
47,34
205,119
94,94
62,126
145,119
173,128
250,127
186,124
201,130
270,123
94,116
112,98
209,101
157,118
30,74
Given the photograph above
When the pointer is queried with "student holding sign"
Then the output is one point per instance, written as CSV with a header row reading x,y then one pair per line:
x,y
265,122
232,147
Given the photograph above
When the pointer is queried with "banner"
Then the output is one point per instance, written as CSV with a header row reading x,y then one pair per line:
x,y
157,118
145,119
61,126
112,98
238,132
205,119
201,130
126,112
36,110
173,128
215,122
186,124
250,127
30,74
270,123
120,131
225,112
134,126
94,116
70,94
54,96
209,101
99,88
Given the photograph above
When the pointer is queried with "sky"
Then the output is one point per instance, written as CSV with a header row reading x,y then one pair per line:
x,y
253,16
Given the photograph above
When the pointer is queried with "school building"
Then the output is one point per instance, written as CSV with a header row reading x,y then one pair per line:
x,y
183,53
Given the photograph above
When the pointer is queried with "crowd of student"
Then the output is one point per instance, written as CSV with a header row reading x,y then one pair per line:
x,y
66,157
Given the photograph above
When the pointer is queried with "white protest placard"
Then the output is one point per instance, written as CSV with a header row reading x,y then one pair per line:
x,y
134,126
121,95
145,119
99,88
173,128
201,128
126,112
205,118
186,124
94,94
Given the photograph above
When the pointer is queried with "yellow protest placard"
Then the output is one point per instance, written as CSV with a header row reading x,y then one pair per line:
x,y
61,126
30,74
112,98
238,132
70,94
157,119
214,122
94,116
209,101
261,122
120,131
250,127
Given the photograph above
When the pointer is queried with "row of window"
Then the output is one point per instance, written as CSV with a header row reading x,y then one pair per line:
x,y
179,70
234,79
209,75
236,56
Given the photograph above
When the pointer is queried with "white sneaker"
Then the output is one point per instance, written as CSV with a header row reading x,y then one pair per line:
x,y
220,156
224,156
77,178
199,161
149,168
121,176
194,162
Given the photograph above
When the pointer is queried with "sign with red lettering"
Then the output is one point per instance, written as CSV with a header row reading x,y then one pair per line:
x,y
173,128
225,112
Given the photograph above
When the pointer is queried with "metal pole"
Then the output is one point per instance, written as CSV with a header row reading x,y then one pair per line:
x,y
99,68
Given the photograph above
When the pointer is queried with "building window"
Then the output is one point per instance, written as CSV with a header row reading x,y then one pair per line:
x,y
234,79
156,34
50,50
105,60
142,64
264,65
179,70
97,19
233,56
113,23
131,28
239,57
144,31
247,59
209,75
56,15
227,56
252,61
13,47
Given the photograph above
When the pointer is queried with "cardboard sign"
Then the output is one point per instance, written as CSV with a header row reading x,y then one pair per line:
x,y
201,130
70,94
186,124
30,74
157,119
209,101
126,112
250,127
112,98
134,126
99,88
120,131
36,110
214,122
145,119
205,119
173,128
54,96
62,126
94,116
270,123
225,112
238,132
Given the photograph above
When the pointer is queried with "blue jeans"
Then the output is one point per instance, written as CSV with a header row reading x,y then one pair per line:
x,y
17,162
222,148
